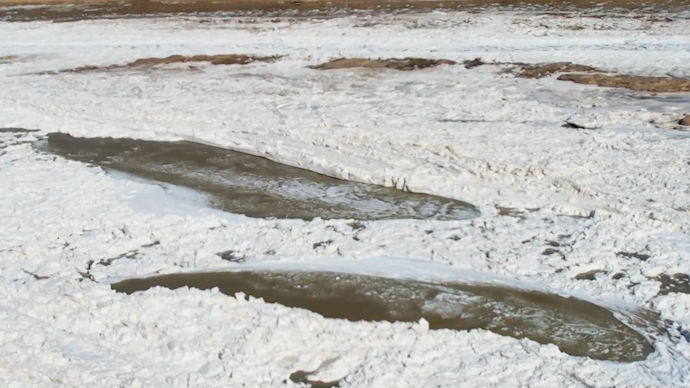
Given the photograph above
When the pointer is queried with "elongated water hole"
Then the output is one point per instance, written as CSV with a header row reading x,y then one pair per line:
x,y
254,186
577,327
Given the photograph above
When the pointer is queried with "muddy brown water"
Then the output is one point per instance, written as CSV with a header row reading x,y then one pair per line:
x,y
253,186
73,10
577,327
678,283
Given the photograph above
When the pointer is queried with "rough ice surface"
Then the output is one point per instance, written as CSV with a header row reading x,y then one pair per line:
x,y
577,198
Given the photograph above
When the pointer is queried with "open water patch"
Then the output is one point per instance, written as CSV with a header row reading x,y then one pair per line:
x,y
256,187
577,327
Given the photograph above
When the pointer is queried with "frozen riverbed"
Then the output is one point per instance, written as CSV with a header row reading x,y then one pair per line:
x,y
599,213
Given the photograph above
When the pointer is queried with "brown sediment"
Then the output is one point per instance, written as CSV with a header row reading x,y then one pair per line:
x,y
525,70
259,3
75,10
391,63
588,75
512,212
589,275
138,7
144,63
531,70
632,82
506,211
222,59
8,58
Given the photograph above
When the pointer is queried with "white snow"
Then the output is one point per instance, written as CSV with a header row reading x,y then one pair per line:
x,y
473,134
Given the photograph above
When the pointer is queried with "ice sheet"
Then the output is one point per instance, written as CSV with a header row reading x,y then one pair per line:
x,y
473,134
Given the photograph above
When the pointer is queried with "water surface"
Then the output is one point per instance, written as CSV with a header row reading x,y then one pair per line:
x,y
257,187
577,327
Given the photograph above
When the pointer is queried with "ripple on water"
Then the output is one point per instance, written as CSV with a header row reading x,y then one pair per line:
x,y
254,186
577,327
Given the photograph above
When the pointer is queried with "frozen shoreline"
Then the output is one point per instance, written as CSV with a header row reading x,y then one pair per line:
x,y
471,134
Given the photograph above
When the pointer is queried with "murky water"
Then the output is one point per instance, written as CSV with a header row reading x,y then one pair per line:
x,y
142,8
253,186
577,327
678,283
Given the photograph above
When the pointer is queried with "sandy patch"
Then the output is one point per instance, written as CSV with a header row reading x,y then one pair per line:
x,y
73,10
404,64
544,70
145,63
573,72
632,82
359,3
8,58
531,70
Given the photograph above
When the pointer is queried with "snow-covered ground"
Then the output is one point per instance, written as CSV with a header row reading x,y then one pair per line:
x,y
474,134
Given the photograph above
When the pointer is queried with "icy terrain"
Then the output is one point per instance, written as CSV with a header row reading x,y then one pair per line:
x,y
555,201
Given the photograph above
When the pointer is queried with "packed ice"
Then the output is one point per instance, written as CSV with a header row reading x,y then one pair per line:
x,y
569,178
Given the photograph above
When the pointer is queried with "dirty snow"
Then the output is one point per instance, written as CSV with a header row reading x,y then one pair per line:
x,y
473,134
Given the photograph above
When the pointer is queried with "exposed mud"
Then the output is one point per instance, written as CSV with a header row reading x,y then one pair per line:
x,y
584,74
631,82
147,63
577,327
251,185
73,10
511,212
525,70
4,59
589,275
403,64
530,70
